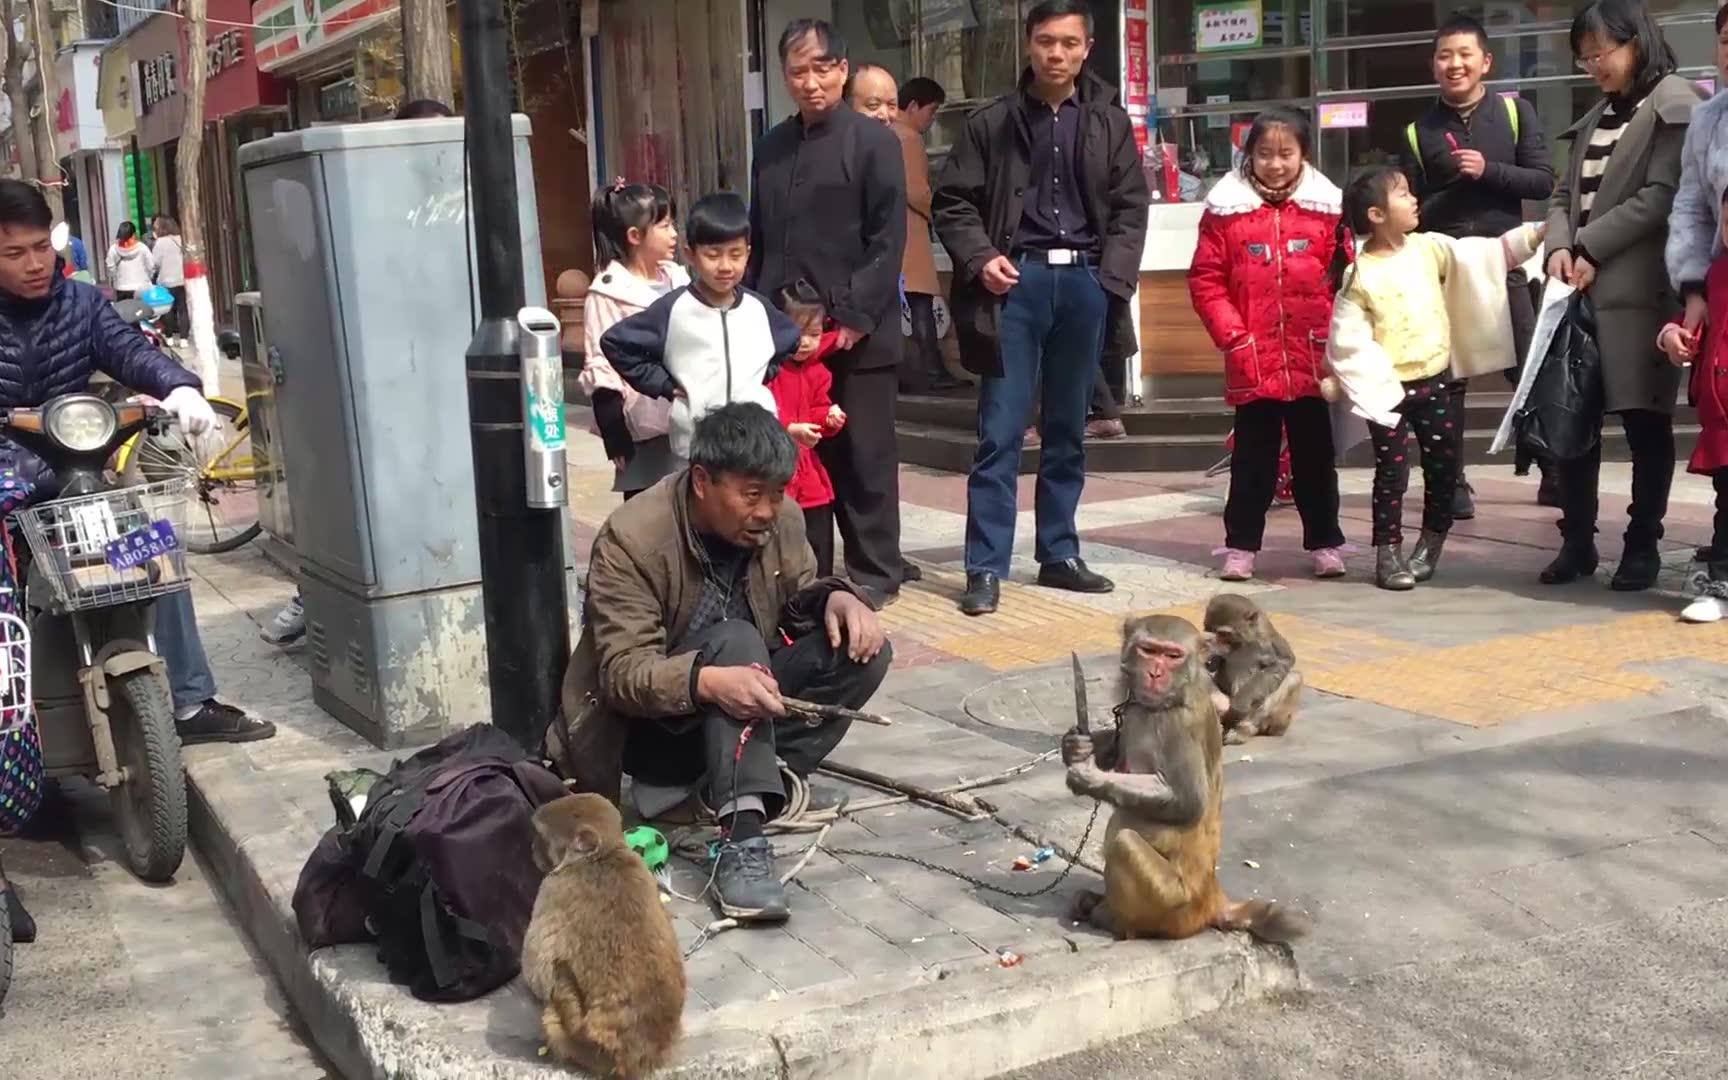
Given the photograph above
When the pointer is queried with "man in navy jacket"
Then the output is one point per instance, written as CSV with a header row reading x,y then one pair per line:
x,y
54,333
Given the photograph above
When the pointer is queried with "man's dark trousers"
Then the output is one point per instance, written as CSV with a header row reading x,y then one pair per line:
x,y
685,749
1050,331
863,461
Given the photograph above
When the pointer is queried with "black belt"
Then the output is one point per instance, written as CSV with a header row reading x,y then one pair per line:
x,y
1059,256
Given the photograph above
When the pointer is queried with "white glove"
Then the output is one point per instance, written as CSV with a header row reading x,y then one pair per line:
x,y
189,407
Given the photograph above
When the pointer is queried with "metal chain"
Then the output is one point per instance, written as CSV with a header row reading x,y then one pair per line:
x,y
976,882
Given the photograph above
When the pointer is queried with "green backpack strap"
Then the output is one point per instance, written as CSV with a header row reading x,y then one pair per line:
x,y
1512,116
1415,145
1511,104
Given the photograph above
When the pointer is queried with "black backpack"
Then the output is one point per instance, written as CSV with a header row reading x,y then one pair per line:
x,y
438,869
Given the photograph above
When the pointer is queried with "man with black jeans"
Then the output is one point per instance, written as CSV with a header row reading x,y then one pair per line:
x,y
828,205
1473,162
703,609
1042,207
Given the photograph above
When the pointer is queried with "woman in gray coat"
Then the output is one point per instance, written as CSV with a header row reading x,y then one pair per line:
x,y
1607,227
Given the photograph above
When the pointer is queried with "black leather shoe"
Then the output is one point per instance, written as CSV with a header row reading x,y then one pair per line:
x,y
910,572
1573,562
983,593
1072,575
1637,570
878,598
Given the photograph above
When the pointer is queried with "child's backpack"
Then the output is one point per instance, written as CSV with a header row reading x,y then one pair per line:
x,y
438,869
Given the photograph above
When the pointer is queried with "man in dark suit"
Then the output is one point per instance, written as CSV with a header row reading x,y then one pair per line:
x,y
828,204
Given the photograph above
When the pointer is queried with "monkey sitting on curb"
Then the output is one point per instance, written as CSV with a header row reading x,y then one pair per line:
x,y
1254,668
1162,772
600,952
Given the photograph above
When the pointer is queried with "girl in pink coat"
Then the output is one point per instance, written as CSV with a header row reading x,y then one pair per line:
x,y
1259,284
634,239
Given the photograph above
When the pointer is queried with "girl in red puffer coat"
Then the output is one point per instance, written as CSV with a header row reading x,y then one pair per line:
x,y
1259,285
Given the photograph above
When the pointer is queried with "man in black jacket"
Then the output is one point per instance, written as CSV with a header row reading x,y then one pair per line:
x,y
828,204
1042,207
1473,159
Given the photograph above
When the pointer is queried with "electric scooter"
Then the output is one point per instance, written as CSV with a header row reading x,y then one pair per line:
x,y
99,555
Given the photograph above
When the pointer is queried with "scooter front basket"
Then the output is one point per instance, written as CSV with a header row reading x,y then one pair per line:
x,y
14,680
114,547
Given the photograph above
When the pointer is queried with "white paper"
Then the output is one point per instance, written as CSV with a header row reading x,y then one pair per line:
x,y
1555,293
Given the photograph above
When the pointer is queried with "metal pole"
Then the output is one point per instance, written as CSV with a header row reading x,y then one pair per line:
x,y
521,549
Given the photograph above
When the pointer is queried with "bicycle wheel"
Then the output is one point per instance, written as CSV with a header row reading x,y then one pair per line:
x,y
224,510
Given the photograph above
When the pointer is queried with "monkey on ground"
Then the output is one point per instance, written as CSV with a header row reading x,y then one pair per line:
x,y
600,952
1162,771
1254,668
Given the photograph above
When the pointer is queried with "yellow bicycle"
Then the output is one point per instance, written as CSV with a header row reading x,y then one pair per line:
x,y
220,463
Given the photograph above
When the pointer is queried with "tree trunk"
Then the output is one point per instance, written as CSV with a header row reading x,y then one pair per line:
x,y
47,157
16,93
426,51
189,163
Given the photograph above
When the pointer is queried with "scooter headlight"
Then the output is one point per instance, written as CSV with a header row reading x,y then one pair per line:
x,y
82,424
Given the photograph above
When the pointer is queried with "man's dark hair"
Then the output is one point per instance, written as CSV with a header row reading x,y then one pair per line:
x,y
126,231
746,440
1458,23
717,219
828,39
1621,22
22,204
422,109
1058,9
922,90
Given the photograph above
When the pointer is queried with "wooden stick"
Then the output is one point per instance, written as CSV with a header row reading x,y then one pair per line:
x,y
833,712
959,804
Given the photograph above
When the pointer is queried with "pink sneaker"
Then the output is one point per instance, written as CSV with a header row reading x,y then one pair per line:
x,y
1238,565
1328,562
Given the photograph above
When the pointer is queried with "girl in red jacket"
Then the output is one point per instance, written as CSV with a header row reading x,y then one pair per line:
x,y
1259,285
800,390
1706,349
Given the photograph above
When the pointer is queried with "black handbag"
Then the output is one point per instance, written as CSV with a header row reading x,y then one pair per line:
x,y
1563,414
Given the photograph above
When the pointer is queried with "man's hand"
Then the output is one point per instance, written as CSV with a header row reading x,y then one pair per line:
x,y
846,337
1077,749
1470,163
1000,274
863,630
743,693
189,407
805,435
1560,266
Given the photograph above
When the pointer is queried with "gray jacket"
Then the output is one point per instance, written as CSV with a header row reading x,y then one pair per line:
x,y
1694,232
1625,238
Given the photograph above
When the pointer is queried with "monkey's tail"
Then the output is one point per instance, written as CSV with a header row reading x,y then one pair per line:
x,y
1264,919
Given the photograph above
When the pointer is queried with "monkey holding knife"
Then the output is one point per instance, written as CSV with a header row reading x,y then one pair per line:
x,y
1162,771
1253,667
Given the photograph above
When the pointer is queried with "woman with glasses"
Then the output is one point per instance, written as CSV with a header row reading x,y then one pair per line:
x,y
1607,226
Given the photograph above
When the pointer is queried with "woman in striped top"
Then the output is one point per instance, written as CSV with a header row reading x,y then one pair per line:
x,y
1607,226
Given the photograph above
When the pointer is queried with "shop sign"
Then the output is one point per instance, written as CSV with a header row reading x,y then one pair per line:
x,y
1343,114
158,78
339,100
225,51
286,29
1226,26
1136,69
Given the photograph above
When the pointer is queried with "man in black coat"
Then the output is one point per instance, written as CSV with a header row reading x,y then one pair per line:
x,y
1042,207
828,205
1473,160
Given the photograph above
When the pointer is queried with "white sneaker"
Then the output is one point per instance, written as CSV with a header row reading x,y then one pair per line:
x,y
288,626
1705,609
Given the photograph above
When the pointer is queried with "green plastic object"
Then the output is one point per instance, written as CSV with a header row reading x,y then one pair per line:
x,y
646,841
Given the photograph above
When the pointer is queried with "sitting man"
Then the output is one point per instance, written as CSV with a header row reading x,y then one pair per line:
x,y
54,332
703,608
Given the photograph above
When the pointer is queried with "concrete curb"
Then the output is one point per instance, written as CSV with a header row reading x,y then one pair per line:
x,y
958,1021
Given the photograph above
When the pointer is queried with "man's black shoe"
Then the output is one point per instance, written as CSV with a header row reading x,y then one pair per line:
x,y
1072,575
746,884
1573,562
216,722
983,593
878,598
1463,500
910,572
1637,570
23,926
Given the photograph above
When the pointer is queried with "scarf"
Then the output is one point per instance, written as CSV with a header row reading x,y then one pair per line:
x,y
1272,195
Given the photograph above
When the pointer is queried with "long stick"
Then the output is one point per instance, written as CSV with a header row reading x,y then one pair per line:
x,y
833,712
960,805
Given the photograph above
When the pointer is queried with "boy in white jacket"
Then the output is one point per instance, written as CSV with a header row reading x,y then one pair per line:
x,y
1415,313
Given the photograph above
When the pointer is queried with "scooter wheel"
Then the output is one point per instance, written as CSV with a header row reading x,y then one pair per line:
x,y
6,948
150,807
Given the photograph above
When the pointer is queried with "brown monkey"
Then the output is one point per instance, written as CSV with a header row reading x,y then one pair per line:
x,y
1162,771
600,950
1255,668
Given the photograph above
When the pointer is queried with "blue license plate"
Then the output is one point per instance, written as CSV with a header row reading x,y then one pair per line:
x,y
142,545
